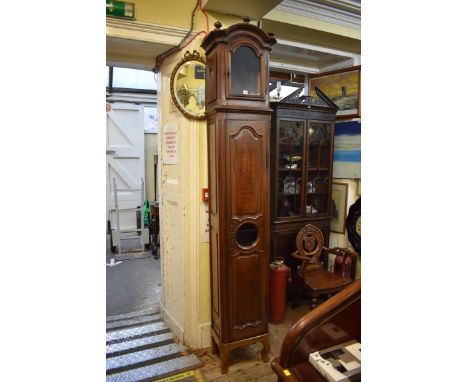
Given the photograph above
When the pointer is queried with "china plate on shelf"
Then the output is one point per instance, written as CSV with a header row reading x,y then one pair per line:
x,y
290,185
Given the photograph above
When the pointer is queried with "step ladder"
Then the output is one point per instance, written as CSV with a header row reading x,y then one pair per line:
x,y
141,233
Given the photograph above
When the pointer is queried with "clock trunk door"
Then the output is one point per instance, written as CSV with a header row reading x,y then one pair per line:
x,y
248,206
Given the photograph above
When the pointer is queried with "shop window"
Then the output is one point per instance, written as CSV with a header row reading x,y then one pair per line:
x,y
131,79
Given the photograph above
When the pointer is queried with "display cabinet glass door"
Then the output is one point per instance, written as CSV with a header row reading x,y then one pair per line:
x,y
318,170
290,167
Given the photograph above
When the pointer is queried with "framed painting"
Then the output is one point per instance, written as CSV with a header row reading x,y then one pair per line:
x,y
347,150
343,87
338,207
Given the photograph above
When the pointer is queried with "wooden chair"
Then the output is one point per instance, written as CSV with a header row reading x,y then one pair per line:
x,y
309,243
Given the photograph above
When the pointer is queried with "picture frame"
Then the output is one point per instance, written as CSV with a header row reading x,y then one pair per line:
x,y
343,87
339,207
188,85
347,150
199,72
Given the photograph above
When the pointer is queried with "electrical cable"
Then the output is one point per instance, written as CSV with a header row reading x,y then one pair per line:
x,y
160,59
189,41
206,16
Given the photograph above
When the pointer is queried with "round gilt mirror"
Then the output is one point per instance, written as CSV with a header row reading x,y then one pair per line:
x,y
188,85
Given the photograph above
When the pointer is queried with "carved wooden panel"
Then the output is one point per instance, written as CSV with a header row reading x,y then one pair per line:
x,y
248,309
237,224
213,126
215,267
247,154
213,167
283,239
248,187
211,79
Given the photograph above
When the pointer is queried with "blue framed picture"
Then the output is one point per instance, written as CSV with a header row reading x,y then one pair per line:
x,y
347,155
199,72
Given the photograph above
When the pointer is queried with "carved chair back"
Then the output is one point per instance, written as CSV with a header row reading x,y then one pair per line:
x,y
309,243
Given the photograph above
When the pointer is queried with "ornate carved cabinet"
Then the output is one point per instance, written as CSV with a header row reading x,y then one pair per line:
x,y
238,148
301,171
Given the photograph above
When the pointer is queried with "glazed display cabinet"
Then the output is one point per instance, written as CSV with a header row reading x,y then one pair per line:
x,y
301,170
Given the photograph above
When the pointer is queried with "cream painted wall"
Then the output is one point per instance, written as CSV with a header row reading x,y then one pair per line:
x,y
172,206
204,262
185,256
205,293
164,12
178,13
302,21
311,36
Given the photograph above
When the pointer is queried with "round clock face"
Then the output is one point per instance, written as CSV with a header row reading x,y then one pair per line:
x,y
358,225
353,225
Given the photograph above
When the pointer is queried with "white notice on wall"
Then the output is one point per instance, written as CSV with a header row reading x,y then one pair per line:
x,y
150,120
170,144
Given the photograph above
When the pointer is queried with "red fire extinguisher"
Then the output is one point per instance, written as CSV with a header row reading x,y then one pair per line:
x,y
279,273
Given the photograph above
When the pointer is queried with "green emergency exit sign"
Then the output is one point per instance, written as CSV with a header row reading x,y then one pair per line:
x,y
120,9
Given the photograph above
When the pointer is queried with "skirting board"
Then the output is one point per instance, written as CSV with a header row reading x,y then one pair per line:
x,y
205,335
173,324
204,330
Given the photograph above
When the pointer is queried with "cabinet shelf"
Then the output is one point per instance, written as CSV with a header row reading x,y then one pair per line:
x,y
290,169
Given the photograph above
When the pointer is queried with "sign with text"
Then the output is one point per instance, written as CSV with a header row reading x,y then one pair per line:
x,y
170,144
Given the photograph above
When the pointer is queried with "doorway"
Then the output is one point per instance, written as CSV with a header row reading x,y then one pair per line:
x,y
133,272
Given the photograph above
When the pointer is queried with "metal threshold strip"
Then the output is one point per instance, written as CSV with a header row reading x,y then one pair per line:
x,y
141,348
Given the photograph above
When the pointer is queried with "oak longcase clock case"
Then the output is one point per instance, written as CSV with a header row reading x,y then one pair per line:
x,y
239,120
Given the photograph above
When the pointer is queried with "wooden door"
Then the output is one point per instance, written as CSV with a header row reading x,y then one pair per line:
x,y
125,160
248,198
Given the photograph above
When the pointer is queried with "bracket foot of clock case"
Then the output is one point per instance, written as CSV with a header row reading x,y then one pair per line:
x,y
226,348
